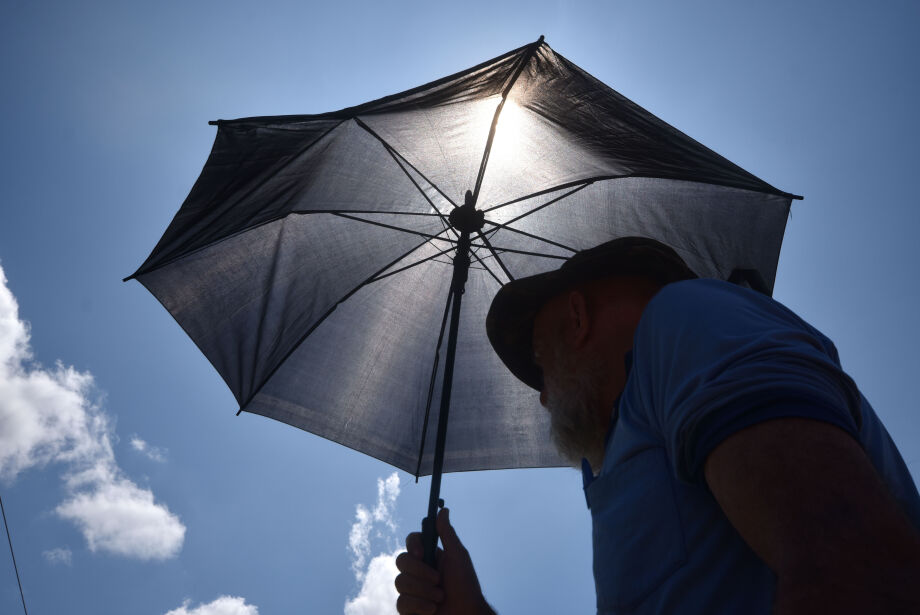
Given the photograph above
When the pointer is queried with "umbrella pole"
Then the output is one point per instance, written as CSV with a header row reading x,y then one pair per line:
x,y
466,219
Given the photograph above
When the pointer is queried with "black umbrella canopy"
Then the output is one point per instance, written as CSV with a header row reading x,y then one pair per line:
x,y
312,261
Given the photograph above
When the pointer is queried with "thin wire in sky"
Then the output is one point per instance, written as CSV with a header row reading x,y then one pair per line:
x,y
15,567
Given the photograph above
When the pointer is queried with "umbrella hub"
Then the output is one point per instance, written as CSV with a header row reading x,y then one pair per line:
x,y
466,218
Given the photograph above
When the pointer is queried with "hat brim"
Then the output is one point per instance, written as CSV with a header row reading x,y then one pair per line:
x,y
509,323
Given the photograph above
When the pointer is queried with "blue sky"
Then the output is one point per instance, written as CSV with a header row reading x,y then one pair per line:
x,y
105,109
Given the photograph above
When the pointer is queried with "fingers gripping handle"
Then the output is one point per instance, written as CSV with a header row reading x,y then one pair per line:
x,y
430,537
429,541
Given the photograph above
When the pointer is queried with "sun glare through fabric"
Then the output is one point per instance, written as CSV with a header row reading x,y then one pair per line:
x,y
507,142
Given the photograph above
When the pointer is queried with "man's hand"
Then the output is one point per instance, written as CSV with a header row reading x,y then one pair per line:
x,y
452,589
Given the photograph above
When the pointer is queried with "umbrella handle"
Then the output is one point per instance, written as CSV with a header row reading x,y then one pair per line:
x,y
430,538
466,219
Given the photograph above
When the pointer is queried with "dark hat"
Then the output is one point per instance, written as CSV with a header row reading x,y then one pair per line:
x,y
509,323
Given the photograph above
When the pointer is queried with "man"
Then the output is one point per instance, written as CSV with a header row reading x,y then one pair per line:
x,y
730,465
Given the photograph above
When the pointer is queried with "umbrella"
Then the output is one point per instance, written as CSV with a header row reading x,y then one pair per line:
x,y
319,261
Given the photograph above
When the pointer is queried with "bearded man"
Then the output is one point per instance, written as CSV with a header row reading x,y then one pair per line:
x,y
730,464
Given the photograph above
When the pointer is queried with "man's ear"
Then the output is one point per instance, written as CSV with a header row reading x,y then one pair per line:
x,y
579,319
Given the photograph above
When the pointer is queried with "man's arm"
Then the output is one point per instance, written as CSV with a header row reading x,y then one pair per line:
x,y
807,499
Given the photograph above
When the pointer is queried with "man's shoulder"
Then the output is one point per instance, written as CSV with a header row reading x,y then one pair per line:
x,y
709,299
694,303
707,292
707,312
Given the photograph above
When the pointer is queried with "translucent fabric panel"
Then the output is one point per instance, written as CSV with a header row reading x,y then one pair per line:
x,y
532,152
714,228
250,299
477,83
329,173
241,157
608,125
445,144
495,420
362,379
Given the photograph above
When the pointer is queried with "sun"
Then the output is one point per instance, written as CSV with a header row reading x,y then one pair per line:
x,y
507,142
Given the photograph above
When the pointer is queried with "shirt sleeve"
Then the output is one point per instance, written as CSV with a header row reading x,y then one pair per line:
x,y
711,358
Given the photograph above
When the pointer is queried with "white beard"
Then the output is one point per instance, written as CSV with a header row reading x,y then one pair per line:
x,y
573,401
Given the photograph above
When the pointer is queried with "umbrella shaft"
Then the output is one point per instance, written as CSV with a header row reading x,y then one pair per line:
x,y
461,270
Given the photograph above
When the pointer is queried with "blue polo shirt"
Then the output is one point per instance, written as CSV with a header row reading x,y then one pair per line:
x,y
710,358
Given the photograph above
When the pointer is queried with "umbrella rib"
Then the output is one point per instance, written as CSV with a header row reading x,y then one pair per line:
x,y
767,189
320,321
583,183
527,213
505,226
283,165
579,185
525,252
219,195
393,155
428,236
276,219
495,254
366,211
525,58
434,373
392,150
486,267
424,260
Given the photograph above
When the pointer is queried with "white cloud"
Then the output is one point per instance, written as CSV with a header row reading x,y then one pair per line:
x,y
50,416
119,517
225,605
375,527
359,538
58,556
150,452
359,541
378,593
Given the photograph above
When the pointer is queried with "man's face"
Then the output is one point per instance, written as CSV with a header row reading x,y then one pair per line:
x,y
571,388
